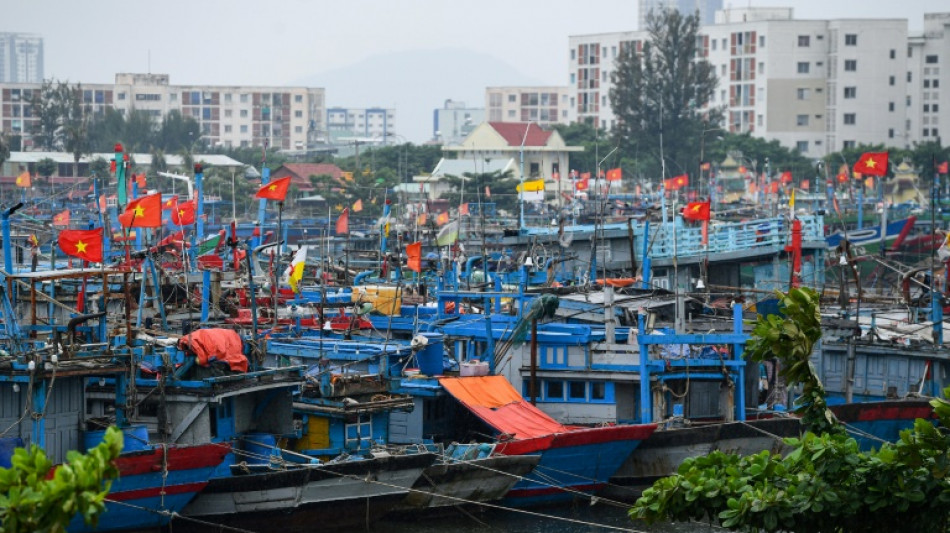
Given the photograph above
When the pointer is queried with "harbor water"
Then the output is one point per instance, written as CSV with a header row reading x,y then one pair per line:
x,y
576,519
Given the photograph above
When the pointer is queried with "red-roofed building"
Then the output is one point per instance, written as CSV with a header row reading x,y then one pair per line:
x,y
300,173
545,153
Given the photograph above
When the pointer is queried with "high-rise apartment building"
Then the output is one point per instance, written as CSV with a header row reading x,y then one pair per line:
x,y
706,8
365,123
21,58
815,85
286,118
544,105
454,121
928,77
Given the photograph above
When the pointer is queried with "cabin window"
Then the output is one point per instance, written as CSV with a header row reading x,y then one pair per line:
x,y
598,391
555,390
554,356
577,390
359,430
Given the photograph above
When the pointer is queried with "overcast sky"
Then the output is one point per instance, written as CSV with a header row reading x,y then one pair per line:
x,y
275,42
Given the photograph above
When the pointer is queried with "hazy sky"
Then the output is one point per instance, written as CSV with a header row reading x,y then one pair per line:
x,y
275,42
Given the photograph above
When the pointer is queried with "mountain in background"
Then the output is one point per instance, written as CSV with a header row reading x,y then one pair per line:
x,y
415,83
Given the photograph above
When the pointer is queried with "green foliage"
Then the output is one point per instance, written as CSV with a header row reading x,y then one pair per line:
x,y
594,140
31,500
826,483
921,156
660,93
502,185
46,167
756,152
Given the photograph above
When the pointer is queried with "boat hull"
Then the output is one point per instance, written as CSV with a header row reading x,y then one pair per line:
x,y
572,463
872,422
142,494
331,496
457,483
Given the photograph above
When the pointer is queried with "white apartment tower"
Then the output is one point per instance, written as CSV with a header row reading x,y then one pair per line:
x,y
928,78
21,58
454,121
544,105
707,9
814,85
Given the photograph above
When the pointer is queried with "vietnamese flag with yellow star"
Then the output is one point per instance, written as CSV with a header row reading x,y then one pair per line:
x,y
144,212
275,190
872,164
184,214
696,211
86,244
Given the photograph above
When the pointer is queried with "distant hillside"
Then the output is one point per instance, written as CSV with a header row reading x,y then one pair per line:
x,y
415,83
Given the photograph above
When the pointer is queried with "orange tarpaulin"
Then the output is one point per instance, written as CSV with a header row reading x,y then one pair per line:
x,y
496,402
216,344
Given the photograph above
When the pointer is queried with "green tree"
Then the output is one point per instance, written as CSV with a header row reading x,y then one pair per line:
x,y
177,132
825,483
662,93
139,132
757,152
48,107
46,167
75,131
33,500
99,167
595,141
105,130
474,185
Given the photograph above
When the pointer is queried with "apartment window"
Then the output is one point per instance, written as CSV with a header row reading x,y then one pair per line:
x,y
298,98
512,98
893,54
850,118
926,132
931,60
802,94
227,113
511,113
802,146
298,129
603,100
244,113
909,77
173,97
851,39
227,98
714,43
723,43
935,132
890,133
850,92
573,54
613,51
722,95
848,144
850,65
891,81
605,52
761,41
206,113
244,98
926,84
935,84
908,100
759,120
890,106
298,114
122,96
801,120
227,128
244,128
935,108
572,78
761,67
804,40
803,67
603,76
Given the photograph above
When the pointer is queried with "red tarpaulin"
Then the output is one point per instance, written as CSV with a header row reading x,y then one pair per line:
x,y
216,345
496,402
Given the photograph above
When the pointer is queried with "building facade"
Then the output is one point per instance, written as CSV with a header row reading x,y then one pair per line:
x,y
286,118
454,121
814,85
21,58
706,8
928,74
363,123
545,106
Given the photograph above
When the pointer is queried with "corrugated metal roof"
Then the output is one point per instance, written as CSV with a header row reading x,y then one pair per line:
x,y
142,159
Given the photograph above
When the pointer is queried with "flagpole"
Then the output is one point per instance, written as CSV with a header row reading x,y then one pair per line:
x,y
280,245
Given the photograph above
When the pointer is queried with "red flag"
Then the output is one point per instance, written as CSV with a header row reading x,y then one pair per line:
x,y
343,223
614,174
806,185
773,187
170,203
140,181
786,177
463,209
184,214
696,211
85,244
582,184
275,190
872,164
742,170
358,205
421,219
943,168
23,180
144,212
414,255
443,218
842,178
61,219
678,182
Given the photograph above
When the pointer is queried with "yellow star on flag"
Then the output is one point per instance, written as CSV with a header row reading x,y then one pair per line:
x,y
696,208
181,213
871,163
139,211
81,247
272,188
